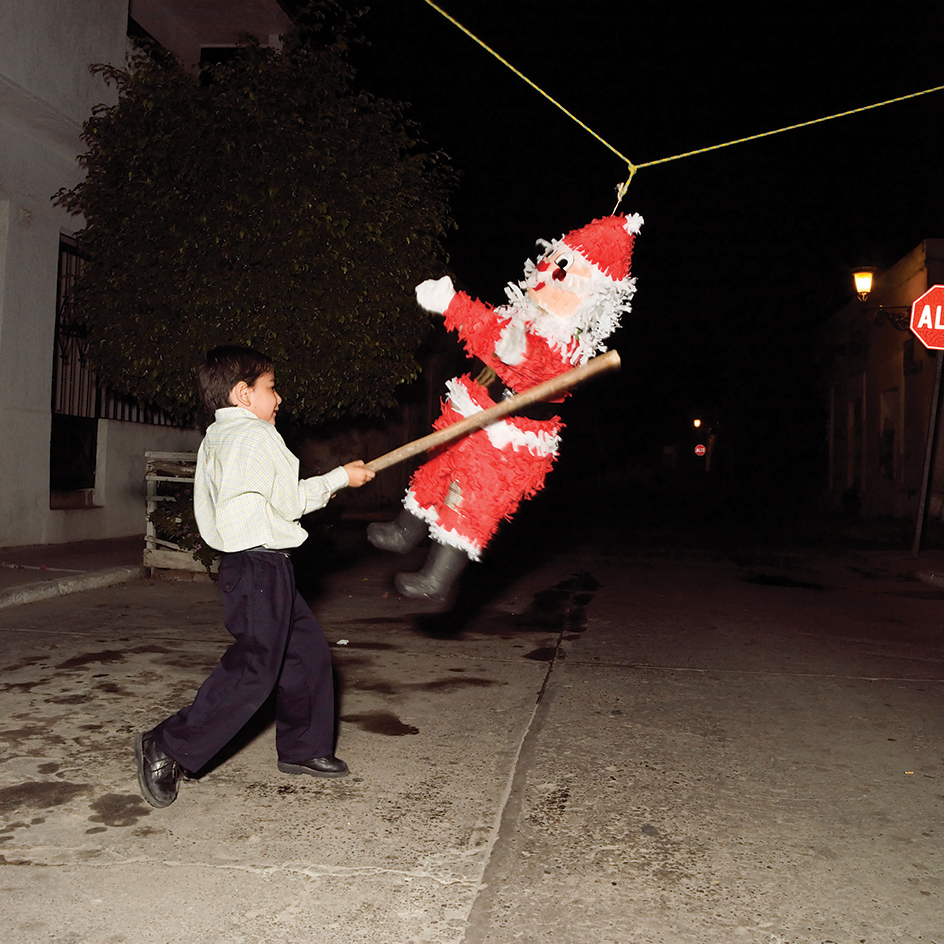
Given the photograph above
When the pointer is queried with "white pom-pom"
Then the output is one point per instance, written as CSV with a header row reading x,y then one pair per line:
x,y
512,344
435,294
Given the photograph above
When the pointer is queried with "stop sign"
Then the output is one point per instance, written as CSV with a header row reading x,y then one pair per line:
x,y
927,318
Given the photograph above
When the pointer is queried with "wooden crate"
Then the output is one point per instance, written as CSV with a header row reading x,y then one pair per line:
x,y
159,554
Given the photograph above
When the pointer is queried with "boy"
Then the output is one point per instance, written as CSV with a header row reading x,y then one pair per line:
x,y
247,500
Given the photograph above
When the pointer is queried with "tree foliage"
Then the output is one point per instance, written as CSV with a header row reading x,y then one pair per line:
x,y
274,205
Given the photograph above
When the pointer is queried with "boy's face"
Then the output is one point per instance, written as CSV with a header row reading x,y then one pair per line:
x,y
261,398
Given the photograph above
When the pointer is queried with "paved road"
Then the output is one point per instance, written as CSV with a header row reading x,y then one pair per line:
x,y
599,747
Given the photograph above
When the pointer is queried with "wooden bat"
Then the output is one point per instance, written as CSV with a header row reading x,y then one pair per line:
x,y
468,424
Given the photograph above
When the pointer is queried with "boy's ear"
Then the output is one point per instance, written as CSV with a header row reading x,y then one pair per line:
x,y
239,395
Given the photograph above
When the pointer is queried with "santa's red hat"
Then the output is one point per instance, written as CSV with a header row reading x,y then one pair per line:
x,y
607,243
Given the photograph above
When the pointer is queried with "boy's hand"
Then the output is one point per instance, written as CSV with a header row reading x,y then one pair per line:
x,y
358,474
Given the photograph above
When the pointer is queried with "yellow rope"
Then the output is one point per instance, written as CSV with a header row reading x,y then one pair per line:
x,y
521,75
623,187
802,124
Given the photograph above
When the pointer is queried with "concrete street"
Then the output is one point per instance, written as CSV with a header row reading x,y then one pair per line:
x,y
608,744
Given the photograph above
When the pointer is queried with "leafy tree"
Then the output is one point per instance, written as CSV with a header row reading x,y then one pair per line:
x,y
271,204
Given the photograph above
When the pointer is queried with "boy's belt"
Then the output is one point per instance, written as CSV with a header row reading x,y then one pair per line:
x,y
269,550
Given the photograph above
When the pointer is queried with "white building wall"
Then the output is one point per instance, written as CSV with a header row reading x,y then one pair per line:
x,y
120,485
46,92
46,49
185,26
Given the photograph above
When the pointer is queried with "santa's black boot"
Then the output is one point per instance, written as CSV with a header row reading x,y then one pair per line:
x,y
400,535
435,582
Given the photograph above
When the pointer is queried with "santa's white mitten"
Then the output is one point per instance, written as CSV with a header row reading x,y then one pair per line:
x,y
435,294
512,344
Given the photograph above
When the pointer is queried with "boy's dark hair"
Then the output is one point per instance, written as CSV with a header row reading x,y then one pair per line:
x,y
223,368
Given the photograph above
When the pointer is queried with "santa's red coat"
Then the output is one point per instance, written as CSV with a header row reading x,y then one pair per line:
x,y
471,485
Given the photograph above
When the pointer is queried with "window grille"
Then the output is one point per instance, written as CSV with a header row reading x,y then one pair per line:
x,y
76,391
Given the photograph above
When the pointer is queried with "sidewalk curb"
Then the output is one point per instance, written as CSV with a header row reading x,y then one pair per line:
x,y
30,593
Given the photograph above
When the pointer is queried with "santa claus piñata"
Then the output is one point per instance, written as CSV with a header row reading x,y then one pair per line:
x,y
556,318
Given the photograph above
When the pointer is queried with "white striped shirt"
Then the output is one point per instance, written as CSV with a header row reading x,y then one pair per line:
x,y
246,490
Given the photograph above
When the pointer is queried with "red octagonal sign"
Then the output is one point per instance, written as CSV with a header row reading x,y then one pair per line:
x,y
927,318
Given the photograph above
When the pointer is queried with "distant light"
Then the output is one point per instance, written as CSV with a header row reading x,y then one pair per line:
x,y
696,423
863,283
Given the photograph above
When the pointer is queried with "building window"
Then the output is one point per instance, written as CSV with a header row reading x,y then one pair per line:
x,y
75,392
74,432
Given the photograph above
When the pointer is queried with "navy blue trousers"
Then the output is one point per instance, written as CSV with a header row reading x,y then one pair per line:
x,y
278,645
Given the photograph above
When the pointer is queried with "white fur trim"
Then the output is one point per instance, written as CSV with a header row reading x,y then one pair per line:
x,y
512,343
460,399
502,434
415,508
437,532
453,539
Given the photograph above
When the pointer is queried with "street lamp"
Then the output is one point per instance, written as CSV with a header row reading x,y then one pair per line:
x,y
898,316
863,283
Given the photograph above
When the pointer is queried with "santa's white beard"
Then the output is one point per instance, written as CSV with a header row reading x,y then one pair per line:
x,y
580,335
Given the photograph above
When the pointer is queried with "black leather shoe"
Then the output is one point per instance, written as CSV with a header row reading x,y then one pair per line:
x,y
158,775
329,766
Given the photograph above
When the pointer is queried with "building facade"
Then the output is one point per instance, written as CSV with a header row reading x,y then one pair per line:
x,y
72,455
880,381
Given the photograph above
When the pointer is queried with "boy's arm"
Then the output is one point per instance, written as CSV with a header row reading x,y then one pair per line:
x,y
319,489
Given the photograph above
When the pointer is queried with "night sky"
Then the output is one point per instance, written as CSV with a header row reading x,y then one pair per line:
x,y
744,250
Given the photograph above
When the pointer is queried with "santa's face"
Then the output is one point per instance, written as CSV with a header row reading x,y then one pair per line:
x,y
559,283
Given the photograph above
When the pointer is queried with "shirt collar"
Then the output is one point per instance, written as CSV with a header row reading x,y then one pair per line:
x,y
229,414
